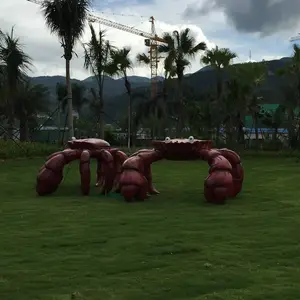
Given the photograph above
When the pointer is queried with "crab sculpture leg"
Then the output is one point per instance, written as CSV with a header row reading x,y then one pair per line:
x,y
51,173
225,177
224,180
119,157
136,178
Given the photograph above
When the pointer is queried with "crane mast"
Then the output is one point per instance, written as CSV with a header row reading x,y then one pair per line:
x,y
153,59
151,40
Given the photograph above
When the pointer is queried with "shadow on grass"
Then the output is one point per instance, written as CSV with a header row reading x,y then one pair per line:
x,y
68,190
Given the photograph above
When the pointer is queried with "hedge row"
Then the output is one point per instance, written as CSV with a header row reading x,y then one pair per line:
x,y
15,149
10,149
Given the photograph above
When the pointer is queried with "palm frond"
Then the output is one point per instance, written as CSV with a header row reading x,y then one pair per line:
x,y
218,57
66,19
143,59
15,62
179,49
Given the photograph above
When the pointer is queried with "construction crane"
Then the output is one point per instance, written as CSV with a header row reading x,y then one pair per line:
x,y
151,40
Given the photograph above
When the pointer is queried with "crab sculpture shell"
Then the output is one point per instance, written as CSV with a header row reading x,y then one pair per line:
x,y
181,149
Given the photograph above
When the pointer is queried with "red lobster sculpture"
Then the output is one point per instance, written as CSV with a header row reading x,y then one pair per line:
x,y
132,176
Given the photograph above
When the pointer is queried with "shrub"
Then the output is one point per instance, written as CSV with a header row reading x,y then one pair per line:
x,y
16,149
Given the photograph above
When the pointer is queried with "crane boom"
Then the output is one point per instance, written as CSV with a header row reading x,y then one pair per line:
x,y
92,18
151,40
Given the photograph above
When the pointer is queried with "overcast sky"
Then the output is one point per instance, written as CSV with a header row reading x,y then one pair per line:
x,y
262,26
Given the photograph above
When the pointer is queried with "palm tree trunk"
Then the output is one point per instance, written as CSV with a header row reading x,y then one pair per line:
x,y
23,128
128,88
69,99
129,123
255,119
10,129
10,112
58,121
180,102
101,115
219,100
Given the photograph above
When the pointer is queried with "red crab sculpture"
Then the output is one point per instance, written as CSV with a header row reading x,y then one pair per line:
x,y
109,164
132,176
225,177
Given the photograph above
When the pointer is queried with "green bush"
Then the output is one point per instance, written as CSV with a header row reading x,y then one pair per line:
x,y
15,149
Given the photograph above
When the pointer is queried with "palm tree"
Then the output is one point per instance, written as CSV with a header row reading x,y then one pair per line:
x,y
31,100
252,75
290,86
274,119
180,48
153,110
15,64
61,98
155,105
169,67
3,91
234,107
79,98
66,19
97,58
120,64
219,59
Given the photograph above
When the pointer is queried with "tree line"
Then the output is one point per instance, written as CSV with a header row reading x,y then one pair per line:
x,y
177,110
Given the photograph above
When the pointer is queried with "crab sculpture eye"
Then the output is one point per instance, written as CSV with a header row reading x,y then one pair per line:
x,y
191,139
167,139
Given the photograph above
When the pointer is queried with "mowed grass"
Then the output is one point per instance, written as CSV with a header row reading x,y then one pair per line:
x,y
173,246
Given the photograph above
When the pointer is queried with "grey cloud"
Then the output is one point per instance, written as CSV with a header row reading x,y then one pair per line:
x,y
252,16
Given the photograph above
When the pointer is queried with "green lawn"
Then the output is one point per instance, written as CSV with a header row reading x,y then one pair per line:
x,y
173,246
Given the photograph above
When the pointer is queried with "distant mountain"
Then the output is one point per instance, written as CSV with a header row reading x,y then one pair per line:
x,y
201,81
204,80
112,86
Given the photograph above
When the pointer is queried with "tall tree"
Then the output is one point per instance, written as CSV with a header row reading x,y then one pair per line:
x,y
15,64
97,58
219,59
61,98
78,96
290,85
78,99
180,48
120,64
252,75
157,106
66,19
30,100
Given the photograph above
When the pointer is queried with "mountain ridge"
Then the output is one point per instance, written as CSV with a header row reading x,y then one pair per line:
x,y
201,81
